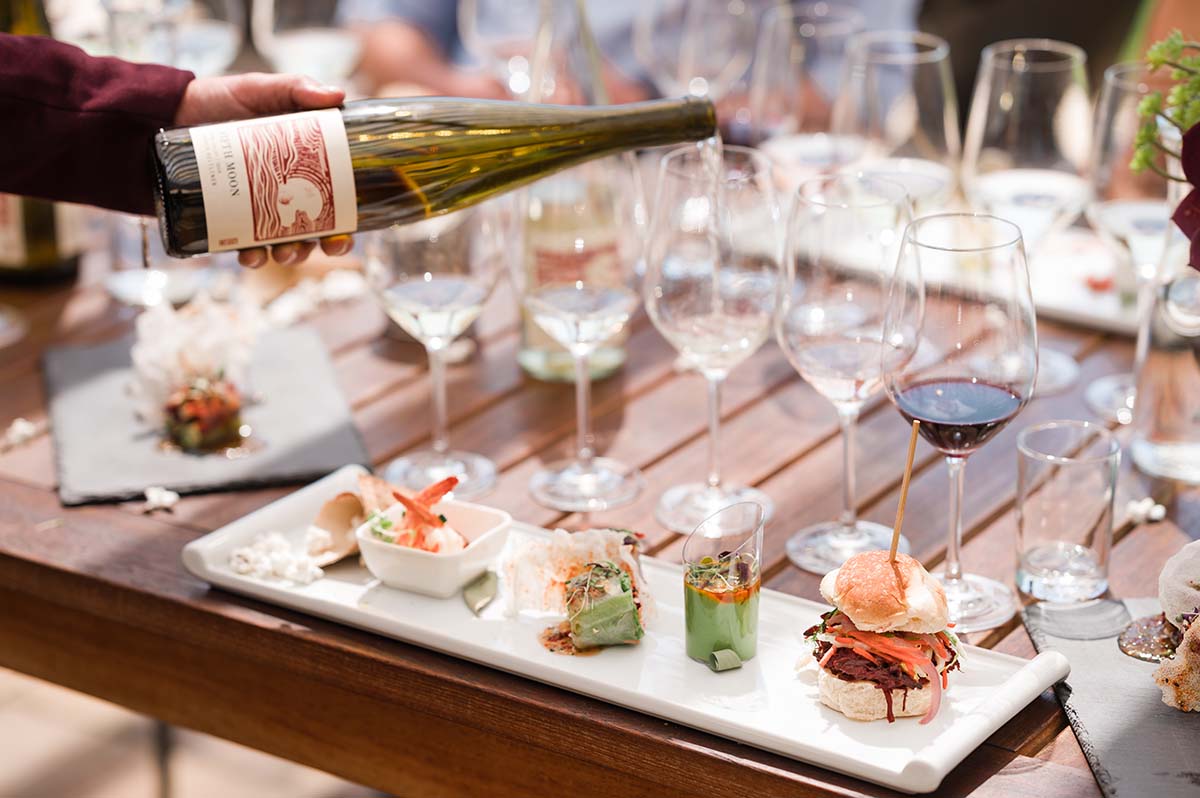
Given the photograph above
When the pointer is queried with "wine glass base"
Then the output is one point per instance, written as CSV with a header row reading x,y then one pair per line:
x,y
1057,371
684,507
976,603
146,288
476,474
1111,397
578,487
12,326
821,548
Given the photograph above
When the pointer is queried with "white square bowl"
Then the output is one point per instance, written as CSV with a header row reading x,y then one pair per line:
x,y
438,575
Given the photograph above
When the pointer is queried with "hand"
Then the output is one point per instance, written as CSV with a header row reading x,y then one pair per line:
x,y
223,99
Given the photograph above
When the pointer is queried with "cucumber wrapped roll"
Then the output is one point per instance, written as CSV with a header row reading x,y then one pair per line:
x,y
602,607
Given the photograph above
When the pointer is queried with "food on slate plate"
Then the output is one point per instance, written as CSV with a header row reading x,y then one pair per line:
x,y
883,650
1179,594
422,526
592,578
204,415
721,605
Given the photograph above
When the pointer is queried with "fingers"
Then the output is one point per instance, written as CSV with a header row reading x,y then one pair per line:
x,y
307,93
292,252
337,245
253,258
295,252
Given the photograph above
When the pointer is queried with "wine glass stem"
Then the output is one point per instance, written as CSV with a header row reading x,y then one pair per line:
x,y
955,467
144,226
1146,290
848,418
714,432
583,409
437,376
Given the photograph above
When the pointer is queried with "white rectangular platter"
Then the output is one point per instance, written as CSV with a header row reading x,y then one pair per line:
x,y
768,703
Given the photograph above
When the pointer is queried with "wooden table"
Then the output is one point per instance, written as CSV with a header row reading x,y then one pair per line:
x,y
95,598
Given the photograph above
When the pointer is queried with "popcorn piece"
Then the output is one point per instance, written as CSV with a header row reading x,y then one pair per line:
x,y
158,498
1142,510
271,556
20,431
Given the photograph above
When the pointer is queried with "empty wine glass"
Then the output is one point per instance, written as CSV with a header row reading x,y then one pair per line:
x,y
202,36
799,65
711,284
582,295
1026,153
305,37
842,239
1130,211
898,101
981,329
698,47
432,278
519,41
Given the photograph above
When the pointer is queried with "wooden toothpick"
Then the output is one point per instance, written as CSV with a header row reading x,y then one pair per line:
x,y
912,450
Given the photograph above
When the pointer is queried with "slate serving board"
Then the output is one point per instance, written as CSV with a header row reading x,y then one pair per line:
x,y
1137,746
104,452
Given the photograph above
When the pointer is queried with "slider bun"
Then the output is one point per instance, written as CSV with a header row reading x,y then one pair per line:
x,y
865,701
880,596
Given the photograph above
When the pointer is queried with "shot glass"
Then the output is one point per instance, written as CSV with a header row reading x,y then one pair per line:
x,y
1066,484
721,582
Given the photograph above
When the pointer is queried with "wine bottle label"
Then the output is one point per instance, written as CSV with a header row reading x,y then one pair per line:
x,y
282,178
12,232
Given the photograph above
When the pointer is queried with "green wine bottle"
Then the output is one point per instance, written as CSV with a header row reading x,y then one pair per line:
x,y
40,241
375,163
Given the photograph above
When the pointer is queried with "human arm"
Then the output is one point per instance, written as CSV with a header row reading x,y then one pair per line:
x,y
77,128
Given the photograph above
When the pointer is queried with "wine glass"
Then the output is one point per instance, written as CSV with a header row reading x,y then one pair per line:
x,y
519,41
1130,211
841,245
432,278
798,70
981,327
711,285
305,37
581,294
697,47
1027,146
203,36
898,102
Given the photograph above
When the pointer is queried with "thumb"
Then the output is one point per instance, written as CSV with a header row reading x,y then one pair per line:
x,y
307,94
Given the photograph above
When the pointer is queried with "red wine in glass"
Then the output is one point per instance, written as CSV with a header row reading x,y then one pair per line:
x,y
958,414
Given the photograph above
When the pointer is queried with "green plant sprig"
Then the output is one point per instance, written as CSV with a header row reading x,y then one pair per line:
x,y
1179,108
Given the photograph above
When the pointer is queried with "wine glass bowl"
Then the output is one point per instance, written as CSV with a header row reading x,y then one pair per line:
x,y
1025,157
710,287
697,47
1131,213
798,70
306,37
520,41
842,238
580,289
432,278
898,104
961,289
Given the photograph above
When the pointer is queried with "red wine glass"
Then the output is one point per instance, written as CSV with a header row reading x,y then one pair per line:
x,y
960,356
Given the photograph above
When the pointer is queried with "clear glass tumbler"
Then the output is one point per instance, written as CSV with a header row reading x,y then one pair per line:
x,y
721,580
1066,483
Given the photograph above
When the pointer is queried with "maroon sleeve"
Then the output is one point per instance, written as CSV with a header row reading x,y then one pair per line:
x,y
79,129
